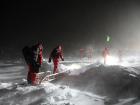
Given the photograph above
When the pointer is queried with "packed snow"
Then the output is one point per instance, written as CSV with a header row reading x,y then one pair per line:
x,y
85,83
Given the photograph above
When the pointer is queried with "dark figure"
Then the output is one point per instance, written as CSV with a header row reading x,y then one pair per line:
x,y
56,54
33,57
105,54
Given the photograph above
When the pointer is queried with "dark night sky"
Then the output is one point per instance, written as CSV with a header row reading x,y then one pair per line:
x,y
71,24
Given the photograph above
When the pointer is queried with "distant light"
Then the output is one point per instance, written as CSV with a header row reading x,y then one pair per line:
x,y
111,60
44,59
108,38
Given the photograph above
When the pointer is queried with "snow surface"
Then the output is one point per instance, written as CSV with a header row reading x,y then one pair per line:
x,y
86,83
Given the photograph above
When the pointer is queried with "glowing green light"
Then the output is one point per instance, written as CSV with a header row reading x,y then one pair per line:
x,y
108,38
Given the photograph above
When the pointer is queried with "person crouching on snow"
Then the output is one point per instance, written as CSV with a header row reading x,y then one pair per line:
x,y
55,55
33,57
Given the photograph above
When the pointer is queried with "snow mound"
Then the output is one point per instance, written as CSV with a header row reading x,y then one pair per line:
x,y
45,94
111,81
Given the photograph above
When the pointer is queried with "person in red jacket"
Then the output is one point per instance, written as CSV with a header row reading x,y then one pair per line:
x,y
105,54
34,57
55,55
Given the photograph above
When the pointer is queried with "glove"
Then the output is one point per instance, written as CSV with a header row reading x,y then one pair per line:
x,y
62,59
49,60
38,65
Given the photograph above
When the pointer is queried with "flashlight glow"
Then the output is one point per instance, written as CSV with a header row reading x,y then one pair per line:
x,y
111,60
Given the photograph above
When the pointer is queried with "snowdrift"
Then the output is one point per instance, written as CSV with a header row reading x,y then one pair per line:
x,y
85,84
111,81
